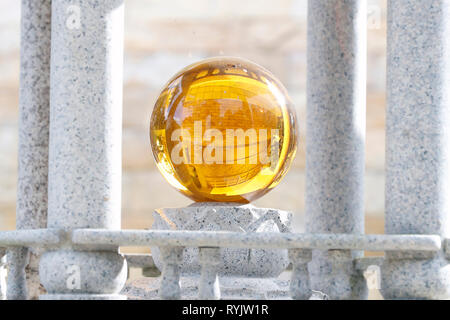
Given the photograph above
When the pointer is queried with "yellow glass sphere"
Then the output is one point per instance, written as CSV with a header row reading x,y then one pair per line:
x,y
223,129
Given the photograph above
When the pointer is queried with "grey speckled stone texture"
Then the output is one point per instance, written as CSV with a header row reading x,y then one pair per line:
x,y
18,258
86,115
34,286
245,240
231,288
82,272
228,217
335,274
418,137
34,113
210,259
300,287
336,100
85,143
170,277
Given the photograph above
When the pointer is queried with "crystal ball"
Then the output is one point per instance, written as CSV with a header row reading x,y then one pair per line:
x,y
223,129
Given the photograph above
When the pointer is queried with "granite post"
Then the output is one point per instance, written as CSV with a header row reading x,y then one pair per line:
x,y
336,95
17,259
34,111
85,146
418,144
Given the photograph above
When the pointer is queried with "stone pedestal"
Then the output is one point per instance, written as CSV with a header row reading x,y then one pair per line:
x,y
243,273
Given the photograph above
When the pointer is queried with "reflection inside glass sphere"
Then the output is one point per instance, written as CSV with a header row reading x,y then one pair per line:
x,y
223,129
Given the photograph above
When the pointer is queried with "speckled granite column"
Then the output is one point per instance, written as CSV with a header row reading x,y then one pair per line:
x,y
18,258
336,93
85,145
34,111
418,143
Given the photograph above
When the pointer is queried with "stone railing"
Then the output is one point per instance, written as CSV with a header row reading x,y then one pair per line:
x,y
68,206
299,245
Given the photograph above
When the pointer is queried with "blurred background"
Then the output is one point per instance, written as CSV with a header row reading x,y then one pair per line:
x,y
162,37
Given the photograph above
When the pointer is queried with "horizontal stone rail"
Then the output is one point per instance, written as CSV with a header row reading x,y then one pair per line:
x,y
30,238
380,242
258,240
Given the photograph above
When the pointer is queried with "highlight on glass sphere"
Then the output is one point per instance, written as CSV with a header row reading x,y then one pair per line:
x,y
223,130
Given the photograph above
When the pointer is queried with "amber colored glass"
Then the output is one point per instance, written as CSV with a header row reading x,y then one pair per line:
x,y
197,130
